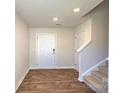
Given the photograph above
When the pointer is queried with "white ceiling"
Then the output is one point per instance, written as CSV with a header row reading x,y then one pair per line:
x,y
39,13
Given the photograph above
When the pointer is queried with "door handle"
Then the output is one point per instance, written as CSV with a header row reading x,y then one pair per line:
x,y
53,51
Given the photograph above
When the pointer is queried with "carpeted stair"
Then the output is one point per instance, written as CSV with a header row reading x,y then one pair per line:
x,y
98,78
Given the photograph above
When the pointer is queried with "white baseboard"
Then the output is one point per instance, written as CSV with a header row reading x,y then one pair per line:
x,y
54,68
20,81
90,69
72,67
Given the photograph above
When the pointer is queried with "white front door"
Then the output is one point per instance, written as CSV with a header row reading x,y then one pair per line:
x,y
46,51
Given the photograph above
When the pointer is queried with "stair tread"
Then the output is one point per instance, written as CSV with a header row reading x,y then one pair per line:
x,y
101,75
94,82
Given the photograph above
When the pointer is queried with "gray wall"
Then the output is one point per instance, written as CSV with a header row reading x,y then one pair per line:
x,y
64,45
21,52
97,50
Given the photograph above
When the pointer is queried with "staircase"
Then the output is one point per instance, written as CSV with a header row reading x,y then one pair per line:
x,y
97,79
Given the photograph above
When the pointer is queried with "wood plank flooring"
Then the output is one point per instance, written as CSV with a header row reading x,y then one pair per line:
x,y
53,81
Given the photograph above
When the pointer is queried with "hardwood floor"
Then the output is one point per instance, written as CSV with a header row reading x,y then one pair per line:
x,y
53,81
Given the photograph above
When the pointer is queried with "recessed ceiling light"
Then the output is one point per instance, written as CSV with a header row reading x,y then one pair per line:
x,y
76,10
55,19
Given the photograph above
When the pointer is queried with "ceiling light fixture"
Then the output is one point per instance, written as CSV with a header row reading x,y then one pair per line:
x,y
76,10
55,19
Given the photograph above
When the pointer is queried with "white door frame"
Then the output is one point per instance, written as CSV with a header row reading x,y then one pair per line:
x,y
55,59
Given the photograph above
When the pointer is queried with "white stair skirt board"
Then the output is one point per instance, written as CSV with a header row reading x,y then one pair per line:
x,y
22,78
90,69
